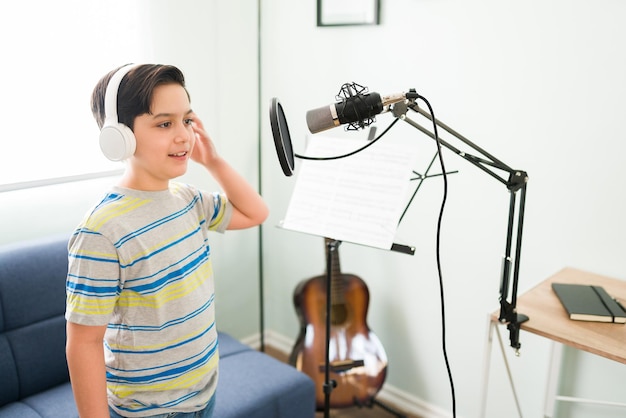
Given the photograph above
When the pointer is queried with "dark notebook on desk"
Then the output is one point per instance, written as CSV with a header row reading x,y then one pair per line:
x,y
589,303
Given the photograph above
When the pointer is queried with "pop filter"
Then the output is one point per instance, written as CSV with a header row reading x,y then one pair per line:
x,y
282,139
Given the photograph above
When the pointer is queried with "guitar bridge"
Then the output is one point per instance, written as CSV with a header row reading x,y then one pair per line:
x,y
339,366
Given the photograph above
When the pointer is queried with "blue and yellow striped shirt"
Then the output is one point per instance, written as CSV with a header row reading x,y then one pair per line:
x,y
140,264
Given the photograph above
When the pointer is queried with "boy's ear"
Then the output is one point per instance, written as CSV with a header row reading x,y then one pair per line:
x,y
117,140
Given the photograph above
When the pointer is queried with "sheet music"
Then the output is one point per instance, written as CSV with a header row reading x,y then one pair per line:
x,y
357,199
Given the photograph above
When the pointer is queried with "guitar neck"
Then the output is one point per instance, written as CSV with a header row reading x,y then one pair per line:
x,y
336,283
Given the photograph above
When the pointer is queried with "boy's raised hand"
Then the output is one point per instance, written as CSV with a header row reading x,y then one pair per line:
x,y
204,151
249,209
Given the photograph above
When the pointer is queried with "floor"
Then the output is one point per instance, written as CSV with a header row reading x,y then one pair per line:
x,y
375,411
355,412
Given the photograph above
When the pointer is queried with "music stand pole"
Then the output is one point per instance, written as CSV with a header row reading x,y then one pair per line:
x,y
329,384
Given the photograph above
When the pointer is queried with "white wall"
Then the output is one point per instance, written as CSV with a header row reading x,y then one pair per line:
x,y
539,85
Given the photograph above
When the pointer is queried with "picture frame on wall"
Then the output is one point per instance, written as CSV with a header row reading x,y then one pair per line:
x,y
348,12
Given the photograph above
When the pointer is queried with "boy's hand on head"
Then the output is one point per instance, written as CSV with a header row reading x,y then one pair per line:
x,y
249,209
204,151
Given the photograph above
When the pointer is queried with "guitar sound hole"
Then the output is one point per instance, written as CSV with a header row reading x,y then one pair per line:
x,y
338,314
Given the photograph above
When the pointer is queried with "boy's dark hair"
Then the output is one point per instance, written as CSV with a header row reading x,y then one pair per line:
x,y
135,92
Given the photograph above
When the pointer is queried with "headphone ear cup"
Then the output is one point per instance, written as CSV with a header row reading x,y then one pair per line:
x,y
117,141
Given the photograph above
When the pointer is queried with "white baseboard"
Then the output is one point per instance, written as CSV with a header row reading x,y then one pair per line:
x,y
388,394
404,401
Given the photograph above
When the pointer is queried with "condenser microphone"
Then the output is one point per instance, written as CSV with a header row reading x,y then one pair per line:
x,y
357,111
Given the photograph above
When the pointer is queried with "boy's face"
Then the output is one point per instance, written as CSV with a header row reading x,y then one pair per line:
x,y
165,139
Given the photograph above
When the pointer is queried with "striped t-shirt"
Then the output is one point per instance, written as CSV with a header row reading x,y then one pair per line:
x,y
140,264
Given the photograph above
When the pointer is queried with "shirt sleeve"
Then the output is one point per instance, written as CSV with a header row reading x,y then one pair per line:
x,y
93,279
219,211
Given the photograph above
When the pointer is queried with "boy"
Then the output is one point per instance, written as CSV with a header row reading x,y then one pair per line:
x,y
141,333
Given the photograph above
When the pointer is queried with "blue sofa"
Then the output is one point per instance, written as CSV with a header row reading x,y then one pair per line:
x,y
34,381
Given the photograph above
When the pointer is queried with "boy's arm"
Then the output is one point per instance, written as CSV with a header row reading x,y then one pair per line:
x,y
249,209
85,360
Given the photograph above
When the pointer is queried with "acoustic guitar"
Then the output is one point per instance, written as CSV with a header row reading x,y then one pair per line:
x,y
357,360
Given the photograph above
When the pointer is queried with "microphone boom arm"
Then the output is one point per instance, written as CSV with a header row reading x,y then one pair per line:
x,y
516,182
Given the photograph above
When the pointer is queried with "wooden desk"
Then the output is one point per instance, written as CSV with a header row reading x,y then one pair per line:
x,y
549,319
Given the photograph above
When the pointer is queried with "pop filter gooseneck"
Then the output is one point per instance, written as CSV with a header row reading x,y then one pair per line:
x,y
282,139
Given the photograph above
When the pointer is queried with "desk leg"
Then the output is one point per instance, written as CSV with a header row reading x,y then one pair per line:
x,y
508,371
552,395
553,379
486,365
487,361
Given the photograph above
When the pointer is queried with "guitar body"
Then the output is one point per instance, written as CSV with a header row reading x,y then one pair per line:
x,y
357,358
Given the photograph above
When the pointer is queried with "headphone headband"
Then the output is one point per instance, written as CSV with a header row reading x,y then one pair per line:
x,y
110,96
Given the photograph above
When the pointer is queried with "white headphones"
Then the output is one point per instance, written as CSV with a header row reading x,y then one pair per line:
x,y
117,140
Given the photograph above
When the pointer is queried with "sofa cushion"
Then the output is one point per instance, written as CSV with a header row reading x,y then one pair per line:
x,y
229,345
265,386
36,269
32,326
42,365
57,402
9,383
18,409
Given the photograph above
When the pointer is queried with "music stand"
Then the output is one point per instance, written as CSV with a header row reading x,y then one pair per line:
x,y
345,214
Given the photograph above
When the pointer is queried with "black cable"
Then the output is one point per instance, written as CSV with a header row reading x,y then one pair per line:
x,y
441,292
369,144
